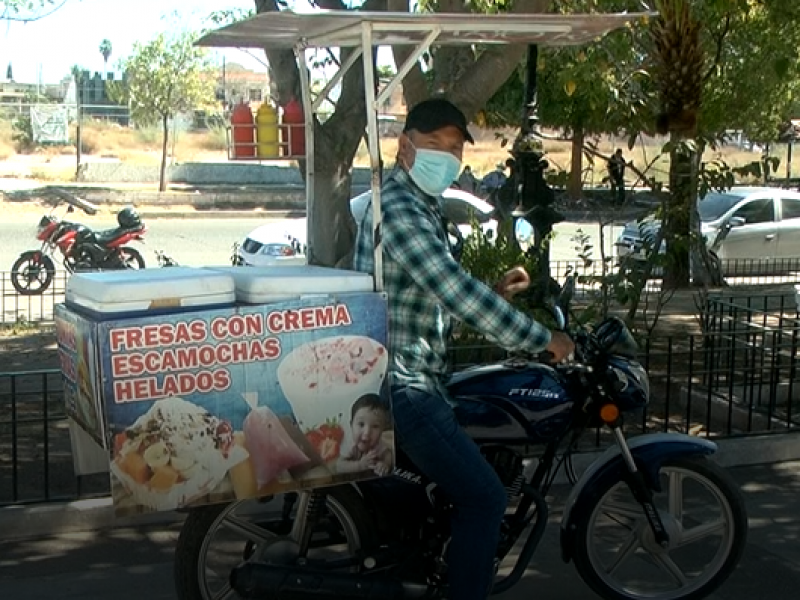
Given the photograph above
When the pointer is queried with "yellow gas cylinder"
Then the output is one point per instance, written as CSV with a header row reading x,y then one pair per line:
x,y
267,131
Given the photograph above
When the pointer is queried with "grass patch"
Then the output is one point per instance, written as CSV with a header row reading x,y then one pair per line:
x,y
54,174
22,326
143,147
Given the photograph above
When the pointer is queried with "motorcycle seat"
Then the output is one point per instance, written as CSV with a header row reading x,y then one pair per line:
x,y
109,235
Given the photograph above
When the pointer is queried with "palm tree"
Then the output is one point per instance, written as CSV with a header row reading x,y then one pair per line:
x,y
678,60
105,50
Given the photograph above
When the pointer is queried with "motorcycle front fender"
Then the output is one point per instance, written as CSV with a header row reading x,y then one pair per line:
x,y
650,452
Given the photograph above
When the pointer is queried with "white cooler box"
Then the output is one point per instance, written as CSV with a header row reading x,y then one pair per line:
x,y
119,294
265,285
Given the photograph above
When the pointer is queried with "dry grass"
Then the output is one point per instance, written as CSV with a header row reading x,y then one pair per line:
x,y
143,146
489,150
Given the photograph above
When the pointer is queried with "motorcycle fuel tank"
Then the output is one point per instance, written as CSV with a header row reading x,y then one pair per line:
x,y
525,403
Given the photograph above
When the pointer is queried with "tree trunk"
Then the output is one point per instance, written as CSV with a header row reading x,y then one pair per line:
x,y
332,226
575,182
705,270
676,219
332,229
162,179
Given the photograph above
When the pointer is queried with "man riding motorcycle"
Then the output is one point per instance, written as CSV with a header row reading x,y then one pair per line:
x,y
426,287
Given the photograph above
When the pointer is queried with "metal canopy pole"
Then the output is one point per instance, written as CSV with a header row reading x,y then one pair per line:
x,y
308,112
337,77
374,151
406,67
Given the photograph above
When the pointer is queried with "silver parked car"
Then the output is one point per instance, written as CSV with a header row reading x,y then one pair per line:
x,y
758,224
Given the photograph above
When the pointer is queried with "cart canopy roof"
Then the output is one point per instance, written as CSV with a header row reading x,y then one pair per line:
x,y
324,28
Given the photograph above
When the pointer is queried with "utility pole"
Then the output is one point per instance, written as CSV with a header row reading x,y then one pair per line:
x,y
78,77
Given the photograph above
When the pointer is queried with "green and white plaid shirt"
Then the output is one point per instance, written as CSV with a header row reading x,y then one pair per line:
x,y
426,286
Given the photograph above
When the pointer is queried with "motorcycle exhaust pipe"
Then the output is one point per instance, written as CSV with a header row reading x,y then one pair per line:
x,y
260,580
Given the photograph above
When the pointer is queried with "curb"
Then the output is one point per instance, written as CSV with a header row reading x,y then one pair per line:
x,y
21,522
221,214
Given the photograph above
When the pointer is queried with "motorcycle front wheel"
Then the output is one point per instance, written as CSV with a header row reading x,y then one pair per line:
x,y
130,258
215,539
704,515
32,273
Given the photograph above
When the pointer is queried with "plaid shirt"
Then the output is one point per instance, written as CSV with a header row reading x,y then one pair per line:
x,y
426,285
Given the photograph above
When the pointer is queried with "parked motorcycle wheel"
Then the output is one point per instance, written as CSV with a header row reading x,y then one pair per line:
x,y
131,258
705,516
214,539
32,273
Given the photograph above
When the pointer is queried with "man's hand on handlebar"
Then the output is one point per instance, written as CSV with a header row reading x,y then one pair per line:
x,y
560,347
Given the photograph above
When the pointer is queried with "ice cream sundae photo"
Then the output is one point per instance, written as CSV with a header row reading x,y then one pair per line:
x,y
321,379
173,453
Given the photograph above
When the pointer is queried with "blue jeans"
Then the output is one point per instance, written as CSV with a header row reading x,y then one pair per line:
x,y
427,431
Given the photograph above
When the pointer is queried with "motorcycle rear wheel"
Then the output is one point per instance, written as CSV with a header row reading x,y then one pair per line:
x,y
705,516
130,257
214,539
32,273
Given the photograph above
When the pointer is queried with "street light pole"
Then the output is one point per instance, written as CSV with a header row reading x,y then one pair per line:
x,y
533,197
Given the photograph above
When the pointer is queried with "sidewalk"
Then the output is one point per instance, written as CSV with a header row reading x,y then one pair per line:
x,y
134,562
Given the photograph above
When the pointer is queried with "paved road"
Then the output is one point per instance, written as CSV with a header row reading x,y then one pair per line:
x,y
136,563
189,241
207,241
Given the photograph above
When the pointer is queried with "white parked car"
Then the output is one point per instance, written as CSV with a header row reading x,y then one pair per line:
x,y
279,243
284,242
458,208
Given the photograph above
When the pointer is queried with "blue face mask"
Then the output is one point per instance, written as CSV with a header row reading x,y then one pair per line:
x,y
434,171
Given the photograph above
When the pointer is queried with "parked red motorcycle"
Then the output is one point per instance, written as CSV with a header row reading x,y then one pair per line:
x,y
81,248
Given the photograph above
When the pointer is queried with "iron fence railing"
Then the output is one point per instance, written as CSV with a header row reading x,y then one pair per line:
x,y
35,449
37,308
713,384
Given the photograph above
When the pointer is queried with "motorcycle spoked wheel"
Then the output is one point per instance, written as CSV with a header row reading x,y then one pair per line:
x,y
214,539
705,516
131,258
32,273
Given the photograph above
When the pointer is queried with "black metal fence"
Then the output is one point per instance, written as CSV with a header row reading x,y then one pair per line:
x,y
39,308
35,448
15,307
737,378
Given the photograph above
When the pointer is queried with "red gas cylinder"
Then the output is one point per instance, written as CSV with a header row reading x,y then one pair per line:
x,y
243,130
295,134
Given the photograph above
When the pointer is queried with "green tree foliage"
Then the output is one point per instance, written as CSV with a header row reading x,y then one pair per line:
x,y
27,10
600,88
742,73
164,77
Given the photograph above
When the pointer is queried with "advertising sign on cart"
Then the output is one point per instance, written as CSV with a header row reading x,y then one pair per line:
x,y
77,351
210,406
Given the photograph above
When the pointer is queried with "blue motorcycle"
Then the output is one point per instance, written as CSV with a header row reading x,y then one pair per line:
x,y
652,517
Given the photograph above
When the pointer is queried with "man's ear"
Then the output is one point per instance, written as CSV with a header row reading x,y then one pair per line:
x,y
405,151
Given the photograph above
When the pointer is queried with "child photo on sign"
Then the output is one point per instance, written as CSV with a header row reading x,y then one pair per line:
x,y
367,451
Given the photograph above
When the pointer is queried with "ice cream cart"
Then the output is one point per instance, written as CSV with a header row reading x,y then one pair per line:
x,y
241,385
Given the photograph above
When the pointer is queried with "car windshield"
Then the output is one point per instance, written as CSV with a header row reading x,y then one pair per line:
x,y
714,205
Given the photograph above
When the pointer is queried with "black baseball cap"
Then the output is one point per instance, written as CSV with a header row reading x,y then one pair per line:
x,y
434,114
